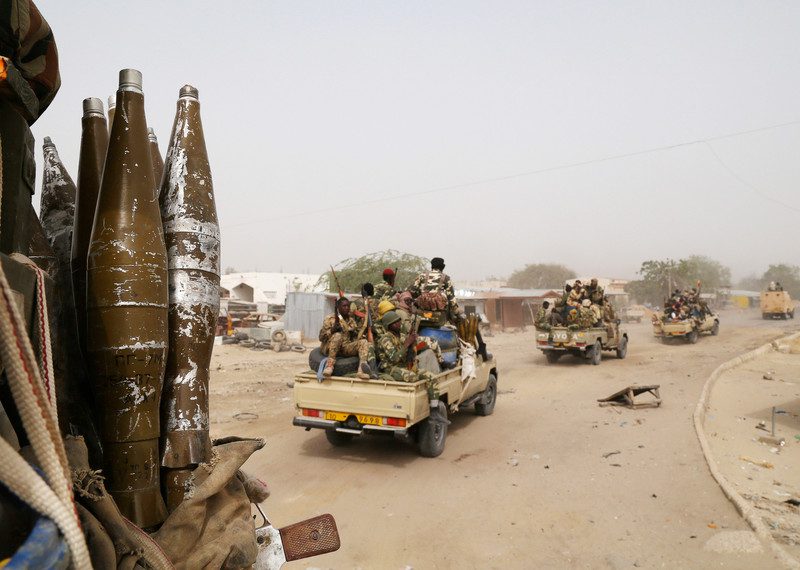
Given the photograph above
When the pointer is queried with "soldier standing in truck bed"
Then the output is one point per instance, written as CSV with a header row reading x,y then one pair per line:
x,y
392,351
385,289
437,281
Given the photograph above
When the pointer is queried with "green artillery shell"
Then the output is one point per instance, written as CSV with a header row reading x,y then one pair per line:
x,y
191,232
174,483
112,107
127,310
57,209
94,142
155,157
40,251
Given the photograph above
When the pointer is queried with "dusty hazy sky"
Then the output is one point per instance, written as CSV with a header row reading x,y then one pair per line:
x,y
313,105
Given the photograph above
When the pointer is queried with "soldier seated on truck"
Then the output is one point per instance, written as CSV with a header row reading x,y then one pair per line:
x,y
340,335
543,317
385,289
393,348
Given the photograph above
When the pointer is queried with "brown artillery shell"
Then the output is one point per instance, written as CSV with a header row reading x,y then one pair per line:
x,y
133,481
127,311
191,232
174,483
94,142
57,208
155,158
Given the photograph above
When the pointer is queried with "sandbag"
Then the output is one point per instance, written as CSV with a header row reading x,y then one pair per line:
x,y
213,526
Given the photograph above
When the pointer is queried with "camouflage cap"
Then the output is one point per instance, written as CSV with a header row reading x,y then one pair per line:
x,y
389,318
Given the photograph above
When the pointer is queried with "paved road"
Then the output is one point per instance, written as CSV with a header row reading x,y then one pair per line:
x,y
527,487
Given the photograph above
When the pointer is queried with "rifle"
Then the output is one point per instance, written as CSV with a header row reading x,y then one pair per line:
x,y
366,293
336,280
411,354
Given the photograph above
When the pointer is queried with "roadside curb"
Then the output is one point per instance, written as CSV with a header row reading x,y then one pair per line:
x,y
747,511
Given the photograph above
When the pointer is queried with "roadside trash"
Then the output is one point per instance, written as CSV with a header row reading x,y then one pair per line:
x,y
610,453
779,441
759,463
625,397
794,502
245,416
711,525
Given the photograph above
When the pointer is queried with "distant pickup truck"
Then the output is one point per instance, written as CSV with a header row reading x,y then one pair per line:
x,y
688,329
583,343
776,305
347,407
633,313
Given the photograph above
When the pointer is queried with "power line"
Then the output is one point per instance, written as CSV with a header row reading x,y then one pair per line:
x,y
745,182
567,166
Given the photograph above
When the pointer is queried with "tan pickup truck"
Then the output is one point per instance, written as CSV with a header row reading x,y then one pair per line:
x,y
776,305
688,329
588,343
347,407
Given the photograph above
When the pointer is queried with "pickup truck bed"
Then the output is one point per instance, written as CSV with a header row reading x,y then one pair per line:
x,y
348,407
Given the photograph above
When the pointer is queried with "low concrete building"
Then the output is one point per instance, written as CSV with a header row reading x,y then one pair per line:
x,y
505,307
268,289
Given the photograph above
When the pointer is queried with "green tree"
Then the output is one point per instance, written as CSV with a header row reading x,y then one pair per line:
x,y
660,277
541,276
355,271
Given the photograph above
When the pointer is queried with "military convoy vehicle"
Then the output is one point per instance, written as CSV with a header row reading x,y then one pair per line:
x,y
633,313
347,407
776,305
587,343
688,329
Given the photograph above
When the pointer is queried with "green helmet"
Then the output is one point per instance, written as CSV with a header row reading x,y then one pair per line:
x,y
389,318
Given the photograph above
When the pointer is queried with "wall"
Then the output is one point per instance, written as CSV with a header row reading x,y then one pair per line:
x,y
306,311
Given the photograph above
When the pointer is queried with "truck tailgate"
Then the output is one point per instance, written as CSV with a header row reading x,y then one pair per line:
x,y
351,395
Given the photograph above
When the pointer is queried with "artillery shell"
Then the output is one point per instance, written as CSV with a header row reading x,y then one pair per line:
x,y
191,232
127,311
155,157
57,208
94,142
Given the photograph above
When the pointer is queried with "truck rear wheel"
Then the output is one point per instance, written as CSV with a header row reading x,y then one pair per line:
x,y
433,432
622,349
692,337
485,405
552,356
597,353
338,439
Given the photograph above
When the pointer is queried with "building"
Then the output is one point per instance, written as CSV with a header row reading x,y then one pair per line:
x,y
505,307
268,290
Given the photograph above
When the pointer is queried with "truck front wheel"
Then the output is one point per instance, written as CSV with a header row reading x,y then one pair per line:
x,y
485,405
338,439
692,337
433,432
622,349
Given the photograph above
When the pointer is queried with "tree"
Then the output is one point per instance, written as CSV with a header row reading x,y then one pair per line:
x,y
355,271
660,277
541,276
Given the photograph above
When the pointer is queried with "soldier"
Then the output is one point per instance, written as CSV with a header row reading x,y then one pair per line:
x,y
576,295
392,351
404,307
608,310
385,289
433,282
542,316
340,336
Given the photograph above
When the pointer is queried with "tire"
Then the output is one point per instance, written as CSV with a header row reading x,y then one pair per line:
x,y
433,432
298,348
229,340
597,354
622,348
338,439
692,337
485,406
278,336
552,356
248,343
344,365
715,329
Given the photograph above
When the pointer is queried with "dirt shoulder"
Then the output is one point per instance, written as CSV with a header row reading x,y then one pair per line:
x,y
739,425
549,480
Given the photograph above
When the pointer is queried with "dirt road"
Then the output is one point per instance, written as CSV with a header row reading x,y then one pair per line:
x,y
528,487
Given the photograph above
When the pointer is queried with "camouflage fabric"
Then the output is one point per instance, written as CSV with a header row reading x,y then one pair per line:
x,y
597,311
344,343
586,317
437,281
384,291
542,318
27,40
432,344
608,311
392,356
575,297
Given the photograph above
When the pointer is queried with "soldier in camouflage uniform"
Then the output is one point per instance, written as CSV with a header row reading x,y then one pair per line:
x,y
542,317
340,336
586,316
437,281
392,350
385,289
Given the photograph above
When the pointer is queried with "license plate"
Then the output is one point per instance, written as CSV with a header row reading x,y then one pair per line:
x,y
342,416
